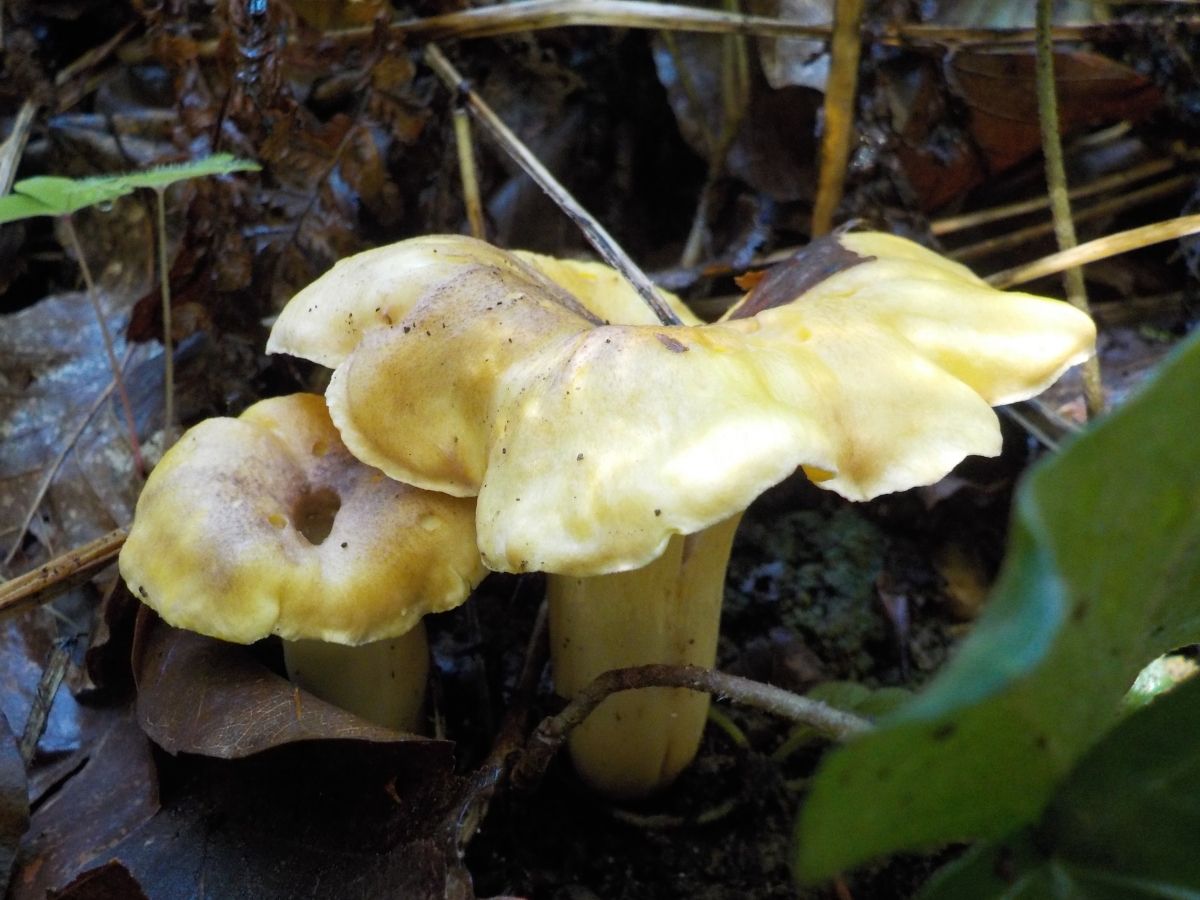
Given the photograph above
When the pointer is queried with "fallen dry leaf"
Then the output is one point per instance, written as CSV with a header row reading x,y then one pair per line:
x,y
200,695
999,89
110,881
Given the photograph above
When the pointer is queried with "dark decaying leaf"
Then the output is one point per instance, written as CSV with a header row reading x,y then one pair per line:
x,y
110,881
333,820
106,670
935,153
204,696
114,792
341,819
52,369
999,89
14,802
773,150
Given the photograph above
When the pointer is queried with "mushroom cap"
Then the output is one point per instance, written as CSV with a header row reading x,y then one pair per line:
x,y
229,536
590,445
378,288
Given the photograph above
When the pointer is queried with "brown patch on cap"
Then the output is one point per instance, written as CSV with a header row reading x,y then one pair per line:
x,y
791,279
671,344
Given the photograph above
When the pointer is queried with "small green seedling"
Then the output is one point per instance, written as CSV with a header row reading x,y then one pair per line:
x,y
53,195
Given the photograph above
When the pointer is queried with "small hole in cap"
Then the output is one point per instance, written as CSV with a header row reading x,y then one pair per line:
x,y
314,514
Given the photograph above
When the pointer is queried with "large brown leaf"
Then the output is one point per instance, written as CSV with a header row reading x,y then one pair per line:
x,y
200,695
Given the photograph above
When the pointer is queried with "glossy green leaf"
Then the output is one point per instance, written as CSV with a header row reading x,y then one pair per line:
x,y
1102,576
53,195
1126,823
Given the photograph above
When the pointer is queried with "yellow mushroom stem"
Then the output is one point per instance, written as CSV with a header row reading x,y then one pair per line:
x,y
382,682
637,742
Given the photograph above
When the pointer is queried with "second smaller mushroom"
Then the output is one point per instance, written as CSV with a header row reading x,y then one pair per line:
x,y
265,524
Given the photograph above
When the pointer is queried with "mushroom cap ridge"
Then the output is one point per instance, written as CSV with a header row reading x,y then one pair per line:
x,y
377,288
590,445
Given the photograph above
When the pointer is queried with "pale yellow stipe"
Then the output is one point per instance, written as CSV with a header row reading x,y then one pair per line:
x,y
669,611
382,682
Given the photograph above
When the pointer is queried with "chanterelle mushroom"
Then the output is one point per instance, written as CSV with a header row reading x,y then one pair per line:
x,y
621,456
265,524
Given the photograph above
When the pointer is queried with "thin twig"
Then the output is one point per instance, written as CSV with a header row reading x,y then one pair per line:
x,y
1119,203
840,90
600,239
960,222
1094,251
164,289
552,733
39,712
13,147
60,574
467,173
536,15
1041,422
106,336
1056,186
468,813
52,471
735,101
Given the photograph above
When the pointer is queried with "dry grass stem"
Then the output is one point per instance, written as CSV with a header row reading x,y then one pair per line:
x,y
1119,203
1056,187
951,224
1093,251
535,15
839,106
61,574
597,236
467,173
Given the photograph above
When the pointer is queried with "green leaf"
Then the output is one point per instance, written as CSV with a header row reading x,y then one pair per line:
x,y
1103,575
53,195
14,207
1126,824
165,176
63,196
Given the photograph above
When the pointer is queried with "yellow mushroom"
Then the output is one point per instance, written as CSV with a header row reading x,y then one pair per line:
x,y
619,456
265,524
